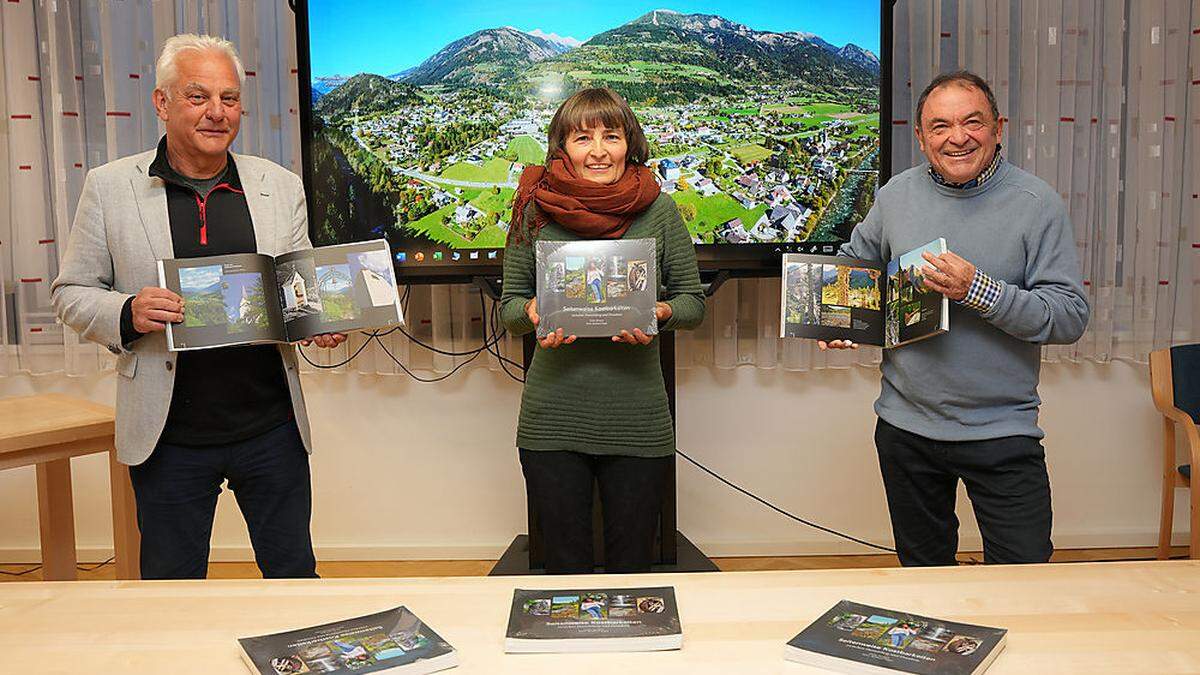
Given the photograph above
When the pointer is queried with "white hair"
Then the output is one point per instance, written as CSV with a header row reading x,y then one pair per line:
x,y
166,71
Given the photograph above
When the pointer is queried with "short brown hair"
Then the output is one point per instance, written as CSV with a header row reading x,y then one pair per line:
x,y
587,108
963,78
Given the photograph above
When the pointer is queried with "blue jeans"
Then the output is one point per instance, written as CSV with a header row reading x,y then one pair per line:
x,y
176,490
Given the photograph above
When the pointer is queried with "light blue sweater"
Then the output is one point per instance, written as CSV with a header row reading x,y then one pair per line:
x,y
979,381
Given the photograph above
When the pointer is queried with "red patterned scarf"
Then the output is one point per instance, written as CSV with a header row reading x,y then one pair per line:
x,y
591,210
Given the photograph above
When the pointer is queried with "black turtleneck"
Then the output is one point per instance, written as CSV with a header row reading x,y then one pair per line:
x,y
227,394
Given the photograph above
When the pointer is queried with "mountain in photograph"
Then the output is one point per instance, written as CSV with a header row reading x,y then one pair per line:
x,y
324,85
663,54
863,57
731,48
366,93
565,43
485,57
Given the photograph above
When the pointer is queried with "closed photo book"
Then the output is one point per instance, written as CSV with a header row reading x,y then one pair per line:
x,y
596,287
391,641
839,298
854,638
247,298
597,620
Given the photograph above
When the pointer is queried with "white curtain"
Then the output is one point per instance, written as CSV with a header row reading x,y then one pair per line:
x,y
1098,96
74,94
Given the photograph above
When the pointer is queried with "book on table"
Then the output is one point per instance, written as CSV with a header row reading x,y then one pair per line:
x,y
248,298
596,287
593,620
840,298
855,638
393,641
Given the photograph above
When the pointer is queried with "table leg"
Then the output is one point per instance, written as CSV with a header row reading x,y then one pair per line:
x,y
56,518
127,540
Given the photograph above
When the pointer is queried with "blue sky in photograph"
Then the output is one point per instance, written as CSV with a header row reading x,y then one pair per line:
x,y
385,37
336,283
198,278
235,285
376,261
913,258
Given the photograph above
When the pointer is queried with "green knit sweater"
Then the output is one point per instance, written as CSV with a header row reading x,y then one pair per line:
x,y
594,395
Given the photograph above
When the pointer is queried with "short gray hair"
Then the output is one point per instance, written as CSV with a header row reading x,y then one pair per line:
x,y
166,71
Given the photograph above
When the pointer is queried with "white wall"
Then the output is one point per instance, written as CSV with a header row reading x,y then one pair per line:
x,y
408,470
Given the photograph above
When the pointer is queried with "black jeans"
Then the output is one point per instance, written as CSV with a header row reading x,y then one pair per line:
x,y
1006,481
176,491
559,485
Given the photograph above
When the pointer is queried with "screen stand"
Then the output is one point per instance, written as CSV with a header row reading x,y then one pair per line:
x,y
674,552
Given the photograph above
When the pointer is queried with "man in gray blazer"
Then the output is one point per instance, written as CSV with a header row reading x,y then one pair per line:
x,y
188,421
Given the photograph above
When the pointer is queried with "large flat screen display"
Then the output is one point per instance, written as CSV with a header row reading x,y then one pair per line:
x,y
763,117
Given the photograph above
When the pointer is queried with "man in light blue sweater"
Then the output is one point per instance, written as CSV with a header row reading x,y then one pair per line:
x,y
964,405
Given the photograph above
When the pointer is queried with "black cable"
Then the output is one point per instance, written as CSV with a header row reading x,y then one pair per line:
x,y
423,379
771,506
490,342
490,320
435,350
339,365
97,566
81,568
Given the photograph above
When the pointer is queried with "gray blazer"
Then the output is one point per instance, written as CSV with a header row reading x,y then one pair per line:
x,y
121,229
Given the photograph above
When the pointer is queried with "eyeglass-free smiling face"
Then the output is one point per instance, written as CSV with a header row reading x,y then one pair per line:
x,y
598,153
202,112
958,132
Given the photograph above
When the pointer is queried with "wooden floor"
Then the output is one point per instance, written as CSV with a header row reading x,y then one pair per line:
x,y
467,568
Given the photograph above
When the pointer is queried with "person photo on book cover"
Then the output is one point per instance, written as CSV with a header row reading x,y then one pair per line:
x,y
595,409
964,405
188,421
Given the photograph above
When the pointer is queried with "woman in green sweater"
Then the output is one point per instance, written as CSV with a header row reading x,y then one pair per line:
x,y
595,410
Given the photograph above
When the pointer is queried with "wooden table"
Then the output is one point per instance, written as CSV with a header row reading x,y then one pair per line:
x,y
1064,618
47,431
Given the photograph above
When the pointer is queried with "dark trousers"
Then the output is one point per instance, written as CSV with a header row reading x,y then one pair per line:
x,y
1006,481
176,491
559,485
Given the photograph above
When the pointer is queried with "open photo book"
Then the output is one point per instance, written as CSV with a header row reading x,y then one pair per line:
x,y
246,298
596,287
840,298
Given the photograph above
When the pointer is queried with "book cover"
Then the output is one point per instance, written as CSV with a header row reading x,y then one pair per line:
x,y
615,619
249,298
596,287
391,640
841,298
855,638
